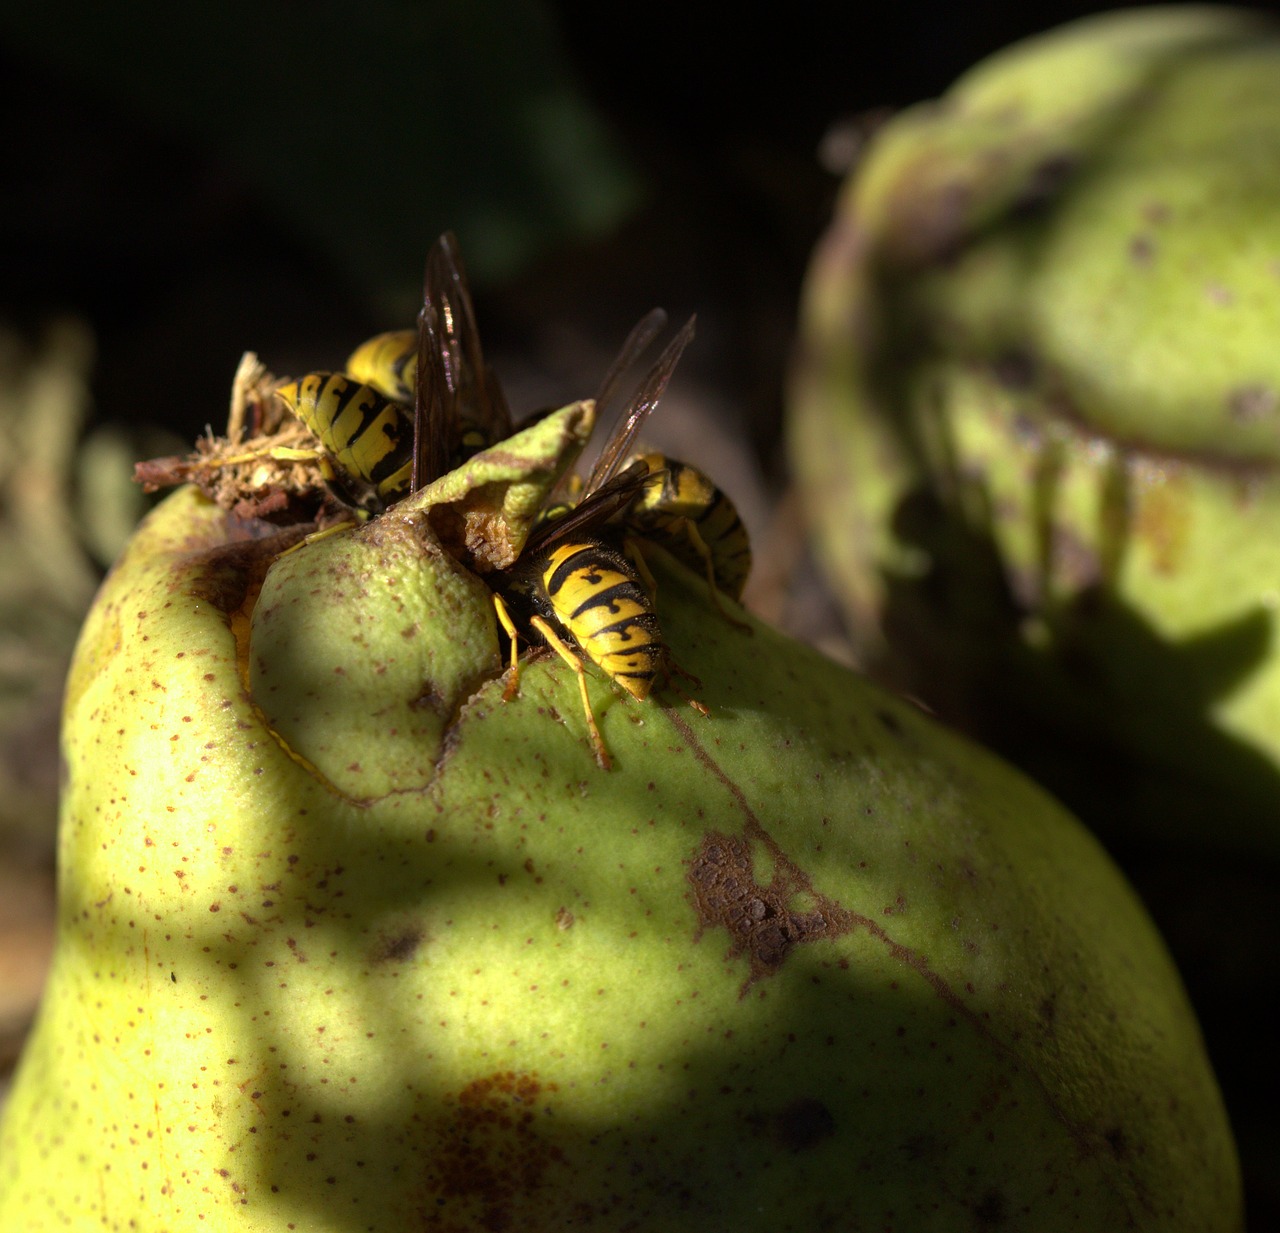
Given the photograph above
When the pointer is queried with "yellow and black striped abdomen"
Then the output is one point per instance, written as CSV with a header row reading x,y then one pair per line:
x,y
595,594
389,363
678,496
369,436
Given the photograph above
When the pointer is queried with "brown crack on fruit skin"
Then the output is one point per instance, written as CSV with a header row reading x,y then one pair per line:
x,y
230,574
760,919
767,927
766,922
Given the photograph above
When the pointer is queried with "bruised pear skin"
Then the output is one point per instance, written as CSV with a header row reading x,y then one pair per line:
x,y
1036,416
348,942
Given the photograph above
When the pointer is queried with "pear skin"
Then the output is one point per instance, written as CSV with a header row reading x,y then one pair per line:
x,y
1034,416
349,942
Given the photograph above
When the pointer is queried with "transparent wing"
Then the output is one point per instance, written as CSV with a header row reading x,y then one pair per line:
x,y
642,403
462,390
594,509
642,334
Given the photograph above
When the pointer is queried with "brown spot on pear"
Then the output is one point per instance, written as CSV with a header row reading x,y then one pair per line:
x,y
786,962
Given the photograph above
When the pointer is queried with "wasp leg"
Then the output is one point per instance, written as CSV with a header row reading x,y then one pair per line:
x,y
504,619
316,536
632,550
669,666
674,670
557,644
699,546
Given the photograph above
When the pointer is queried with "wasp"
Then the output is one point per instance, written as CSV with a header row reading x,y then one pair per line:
x,y
368,438
389,363
676,506
579,585
411,403
576,585
683,511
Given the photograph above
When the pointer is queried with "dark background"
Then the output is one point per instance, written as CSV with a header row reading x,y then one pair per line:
x,y
197,180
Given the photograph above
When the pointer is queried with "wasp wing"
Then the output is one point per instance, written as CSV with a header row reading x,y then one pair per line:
x,y
434,403
642,334
463,389
643,402
593,510
481,402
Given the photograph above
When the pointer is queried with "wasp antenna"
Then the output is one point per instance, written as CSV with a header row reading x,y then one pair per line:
x,y
646,398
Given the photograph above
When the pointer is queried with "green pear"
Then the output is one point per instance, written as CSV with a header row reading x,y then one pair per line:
x,y
1036,415
349,941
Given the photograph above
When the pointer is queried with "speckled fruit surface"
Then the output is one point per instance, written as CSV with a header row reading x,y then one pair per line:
x,y
1036,415
348,943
